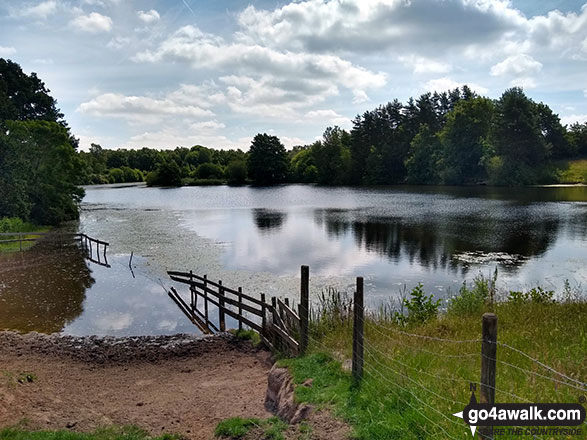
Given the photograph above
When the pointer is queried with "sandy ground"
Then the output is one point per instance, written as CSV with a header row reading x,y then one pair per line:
x,y
177,384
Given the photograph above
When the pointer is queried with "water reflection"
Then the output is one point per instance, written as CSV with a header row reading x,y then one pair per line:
x,y
268,219
44,288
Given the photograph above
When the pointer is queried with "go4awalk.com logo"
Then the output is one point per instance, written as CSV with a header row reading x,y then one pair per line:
x,y
560,418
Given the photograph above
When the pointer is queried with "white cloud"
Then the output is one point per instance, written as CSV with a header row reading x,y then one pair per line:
x,y
93,23
359,26
279,76
149,16
526,82
41,10
207,126
571,119
6,51
425,65
118,43
444,84
517,65
170,137
140,109
327,117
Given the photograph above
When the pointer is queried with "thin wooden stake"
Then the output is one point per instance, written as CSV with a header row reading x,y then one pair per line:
x,y
240,308
206,298
221,316
358,332
304,309
488,367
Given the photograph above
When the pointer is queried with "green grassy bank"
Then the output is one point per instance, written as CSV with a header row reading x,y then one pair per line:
x,y
419,364
572,171
18,226
125,433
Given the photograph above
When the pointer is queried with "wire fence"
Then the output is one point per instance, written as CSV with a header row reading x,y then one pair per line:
x,y
435,376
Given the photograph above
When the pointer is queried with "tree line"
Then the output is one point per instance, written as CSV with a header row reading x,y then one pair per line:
x,y
453,138
456,137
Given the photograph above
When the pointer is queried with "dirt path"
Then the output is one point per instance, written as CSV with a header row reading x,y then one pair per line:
x,y
177,384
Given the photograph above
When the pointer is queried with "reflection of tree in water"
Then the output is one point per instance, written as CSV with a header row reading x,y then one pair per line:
x,y
43,289
433,242
268,220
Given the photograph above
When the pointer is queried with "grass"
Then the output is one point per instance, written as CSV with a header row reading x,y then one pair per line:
x,y
573,171
13,224
413,385
237,427
247,335
124,433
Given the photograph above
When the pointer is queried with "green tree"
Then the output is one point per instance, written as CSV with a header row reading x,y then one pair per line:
x,y
24,97
39,172
267,163
423,158
167,173
332,156
464,138
236,171
209,171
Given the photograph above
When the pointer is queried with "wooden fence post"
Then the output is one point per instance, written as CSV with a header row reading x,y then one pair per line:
x,y
358,332
20,240
206,298
263,318
488,364
240,308
304,309
221,318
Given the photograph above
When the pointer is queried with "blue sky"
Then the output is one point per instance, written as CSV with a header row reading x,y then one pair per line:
x,y
130,73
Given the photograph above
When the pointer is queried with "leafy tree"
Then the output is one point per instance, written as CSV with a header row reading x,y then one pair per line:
x,y
267,163
236,171
463,141
423,158
303,167
577,138
24,97
209,171
167,173
39,172
332,156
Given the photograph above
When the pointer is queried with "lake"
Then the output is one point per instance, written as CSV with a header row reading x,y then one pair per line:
x,y
258,238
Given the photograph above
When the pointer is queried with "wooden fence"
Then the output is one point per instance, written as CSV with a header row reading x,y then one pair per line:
x,y
95,249
281,325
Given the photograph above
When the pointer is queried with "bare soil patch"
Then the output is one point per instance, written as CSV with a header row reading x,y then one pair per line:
x,y
180,384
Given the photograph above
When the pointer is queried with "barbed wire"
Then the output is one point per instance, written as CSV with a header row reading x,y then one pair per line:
x,y
457,356
431,338
584,388
552,370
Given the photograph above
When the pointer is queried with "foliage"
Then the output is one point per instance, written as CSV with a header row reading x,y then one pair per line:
x,y
125,433
535,295
24,97
420,307
402,372
38,172
15,224
236,171
237,427
167,173
209,171
247,335
475,299
267,160
423,157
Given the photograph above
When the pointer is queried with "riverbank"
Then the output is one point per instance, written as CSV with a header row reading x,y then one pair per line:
x,y
178,384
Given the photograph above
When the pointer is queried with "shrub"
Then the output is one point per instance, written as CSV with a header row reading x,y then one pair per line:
x,y
535,295
473,300
236,171
420,307
209,171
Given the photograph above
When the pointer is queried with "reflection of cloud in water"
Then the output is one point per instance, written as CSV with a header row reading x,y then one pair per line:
x,y
167,325
113,321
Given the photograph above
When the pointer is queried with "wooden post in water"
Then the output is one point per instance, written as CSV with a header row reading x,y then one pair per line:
x,y
206,298
488,367
304,309
358,332
240,308
192,294
221,318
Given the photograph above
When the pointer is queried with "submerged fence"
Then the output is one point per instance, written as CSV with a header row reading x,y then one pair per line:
x,y
432,376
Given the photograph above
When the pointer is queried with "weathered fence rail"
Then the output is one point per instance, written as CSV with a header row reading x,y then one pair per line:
x,y
88,243
278,324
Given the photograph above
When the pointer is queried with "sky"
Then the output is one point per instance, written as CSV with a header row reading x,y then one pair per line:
x,y
163,74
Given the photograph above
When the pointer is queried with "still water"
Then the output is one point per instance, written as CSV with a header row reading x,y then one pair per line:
x,y
257,238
